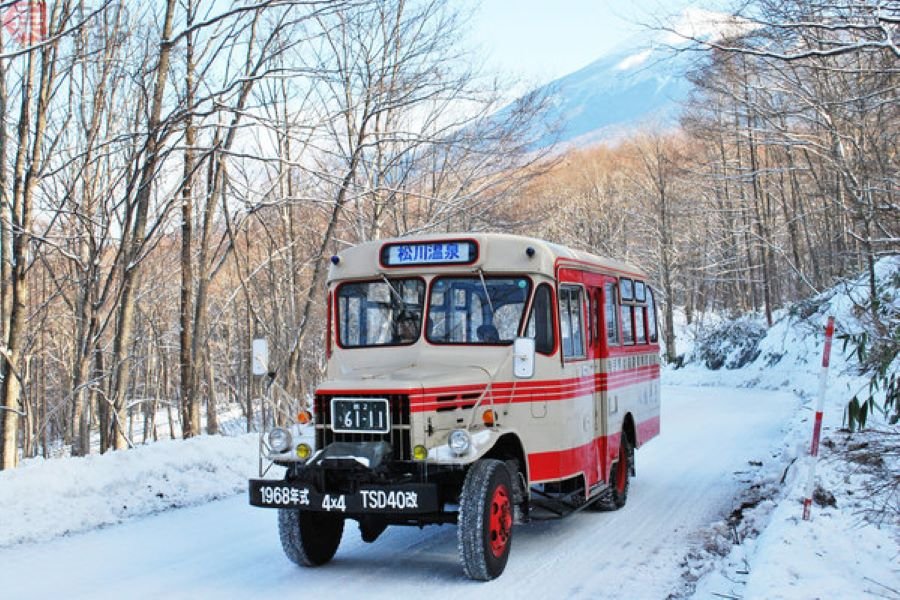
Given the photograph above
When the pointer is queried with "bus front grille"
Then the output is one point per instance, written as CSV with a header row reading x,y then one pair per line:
x,y
398,438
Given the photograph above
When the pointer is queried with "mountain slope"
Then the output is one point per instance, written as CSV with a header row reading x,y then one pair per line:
x,y
639,83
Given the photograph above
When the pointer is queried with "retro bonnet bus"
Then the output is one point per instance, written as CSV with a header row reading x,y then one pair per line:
x,y
482,380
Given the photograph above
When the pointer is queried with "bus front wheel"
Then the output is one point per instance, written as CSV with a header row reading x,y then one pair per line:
x,y
309,539
485,519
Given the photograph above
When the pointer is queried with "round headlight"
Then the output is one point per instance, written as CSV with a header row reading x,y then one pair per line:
x,y
459,441
279,439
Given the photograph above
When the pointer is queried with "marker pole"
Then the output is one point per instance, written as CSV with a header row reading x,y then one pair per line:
x,y
817,425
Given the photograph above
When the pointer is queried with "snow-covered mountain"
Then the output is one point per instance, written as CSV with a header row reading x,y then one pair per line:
x,y
641,82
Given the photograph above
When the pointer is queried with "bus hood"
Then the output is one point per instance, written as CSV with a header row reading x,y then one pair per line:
x,y
414,377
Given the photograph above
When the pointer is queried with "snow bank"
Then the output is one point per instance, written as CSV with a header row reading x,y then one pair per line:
x,y
44,499
832,556
764,549
839,553
790,354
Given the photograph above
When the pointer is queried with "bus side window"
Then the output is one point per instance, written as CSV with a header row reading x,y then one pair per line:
x,y
627,324
651,316
639,332
570,321
609,312
576,306
540,321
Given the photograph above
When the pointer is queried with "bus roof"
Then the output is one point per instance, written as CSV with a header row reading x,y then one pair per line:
x,y
491,252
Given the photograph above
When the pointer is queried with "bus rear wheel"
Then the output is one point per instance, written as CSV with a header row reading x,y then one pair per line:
x,y
309,539
616,494
485,520
620,480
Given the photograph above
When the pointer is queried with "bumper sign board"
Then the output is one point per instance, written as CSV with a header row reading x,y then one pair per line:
x,y
411,498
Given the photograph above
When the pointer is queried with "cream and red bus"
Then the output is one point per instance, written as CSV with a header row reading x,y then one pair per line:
x,y
476,379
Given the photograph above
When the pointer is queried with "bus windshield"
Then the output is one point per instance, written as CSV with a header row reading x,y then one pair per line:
x,y
380,313
476,310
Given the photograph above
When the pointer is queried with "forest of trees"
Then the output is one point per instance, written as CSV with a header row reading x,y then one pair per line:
x,y
174,176
781,179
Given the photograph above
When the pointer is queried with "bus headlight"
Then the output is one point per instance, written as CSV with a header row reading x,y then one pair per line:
x,y
459,441
279,440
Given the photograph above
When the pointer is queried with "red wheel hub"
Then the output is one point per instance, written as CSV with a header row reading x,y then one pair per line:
x,y
501,520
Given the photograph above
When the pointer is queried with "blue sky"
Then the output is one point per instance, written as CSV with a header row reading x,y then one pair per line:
x,y
540,40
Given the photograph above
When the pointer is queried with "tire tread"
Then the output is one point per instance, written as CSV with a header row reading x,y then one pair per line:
x,y
477,487
308,539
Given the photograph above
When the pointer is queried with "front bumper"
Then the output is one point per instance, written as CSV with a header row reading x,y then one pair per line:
x,y
406,498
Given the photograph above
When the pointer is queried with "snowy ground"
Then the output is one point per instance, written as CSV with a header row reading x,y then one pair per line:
x,y
45,499
713,441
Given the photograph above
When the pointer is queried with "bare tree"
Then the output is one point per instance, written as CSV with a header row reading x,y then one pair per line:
x,y
817,89
34,107
380,113
662,163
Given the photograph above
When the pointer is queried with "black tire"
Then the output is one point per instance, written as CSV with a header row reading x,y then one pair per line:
x,y
485,522
309,539
620,477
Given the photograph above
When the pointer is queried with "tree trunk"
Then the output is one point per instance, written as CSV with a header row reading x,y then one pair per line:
x,y
103,406
131,268
212,419
5,222
23,185
190,414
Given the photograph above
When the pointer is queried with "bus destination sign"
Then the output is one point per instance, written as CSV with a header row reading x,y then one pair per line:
x,y
462,252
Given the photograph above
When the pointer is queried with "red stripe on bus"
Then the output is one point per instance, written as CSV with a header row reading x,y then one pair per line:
x,y
647,429
523,391
476,387
584,387
561,464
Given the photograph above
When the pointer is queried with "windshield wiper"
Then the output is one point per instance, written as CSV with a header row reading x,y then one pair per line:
x,y
394,291
486,293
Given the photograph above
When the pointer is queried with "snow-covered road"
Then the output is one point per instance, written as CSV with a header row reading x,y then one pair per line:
x,y
227,549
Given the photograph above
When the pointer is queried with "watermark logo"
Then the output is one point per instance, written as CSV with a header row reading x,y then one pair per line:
x,y
26,21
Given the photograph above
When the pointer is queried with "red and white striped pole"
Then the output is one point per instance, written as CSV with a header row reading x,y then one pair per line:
x,y
817,425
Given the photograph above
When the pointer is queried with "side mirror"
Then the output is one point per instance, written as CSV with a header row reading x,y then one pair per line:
x,y
523,358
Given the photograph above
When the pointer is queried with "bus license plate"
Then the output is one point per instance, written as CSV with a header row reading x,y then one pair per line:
x,y
370,498
355,415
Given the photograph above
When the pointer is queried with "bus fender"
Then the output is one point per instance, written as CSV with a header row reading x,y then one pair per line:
x,y
496,442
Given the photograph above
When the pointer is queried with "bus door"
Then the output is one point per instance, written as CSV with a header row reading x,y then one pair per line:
x,y
608,337
577,370
595,294
593,286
